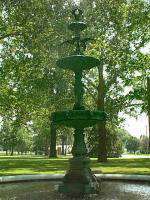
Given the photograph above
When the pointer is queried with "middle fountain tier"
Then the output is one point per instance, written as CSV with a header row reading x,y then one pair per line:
x,y
78,62
79,179
78,118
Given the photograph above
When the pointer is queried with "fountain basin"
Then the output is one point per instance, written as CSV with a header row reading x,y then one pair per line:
x,y
78,62
47,189
78,118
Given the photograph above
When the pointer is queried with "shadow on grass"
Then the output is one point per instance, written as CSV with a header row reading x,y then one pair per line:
x,y
32,165
124,166
137,162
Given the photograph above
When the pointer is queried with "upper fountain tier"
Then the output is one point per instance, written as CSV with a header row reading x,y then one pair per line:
x,y
77,61
77,25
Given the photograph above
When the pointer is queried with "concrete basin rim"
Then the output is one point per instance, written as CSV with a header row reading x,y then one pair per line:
x,y
59,177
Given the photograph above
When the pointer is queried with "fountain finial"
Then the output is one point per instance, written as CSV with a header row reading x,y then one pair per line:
x,y
77,13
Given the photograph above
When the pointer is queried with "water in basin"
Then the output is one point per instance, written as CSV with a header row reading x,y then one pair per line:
x,y
46,190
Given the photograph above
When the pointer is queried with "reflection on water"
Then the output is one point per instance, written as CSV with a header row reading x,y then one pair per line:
x,y
46,190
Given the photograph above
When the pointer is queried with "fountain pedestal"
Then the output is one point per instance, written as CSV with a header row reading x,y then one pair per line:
x,y
79,179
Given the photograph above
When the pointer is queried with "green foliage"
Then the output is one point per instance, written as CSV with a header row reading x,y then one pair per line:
x,y
132,144
15,138
25,141
30,82
31,85
120,28
144,142
115,143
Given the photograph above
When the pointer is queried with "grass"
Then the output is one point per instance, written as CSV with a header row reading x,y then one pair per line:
x,y
15,165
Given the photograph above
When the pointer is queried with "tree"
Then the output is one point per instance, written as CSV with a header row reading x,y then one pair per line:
x,y
144,144
30,44
148,108
119,37
53,153
14,137
5,136
31,33
114,145
40,128
25,141
132,144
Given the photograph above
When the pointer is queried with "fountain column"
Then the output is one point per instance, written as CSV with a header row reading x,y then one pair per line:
x,y
78,91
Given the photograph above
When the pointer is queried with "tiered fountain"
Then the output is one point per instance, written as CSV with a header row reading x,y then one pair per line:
x,y
79,179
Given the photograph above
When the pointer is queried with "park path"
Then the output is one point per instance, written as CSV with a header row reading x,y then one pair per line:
x,y
135,156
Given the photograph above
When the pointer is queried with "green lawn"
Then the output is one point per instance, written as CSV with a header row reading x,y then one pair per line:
x,y
40,165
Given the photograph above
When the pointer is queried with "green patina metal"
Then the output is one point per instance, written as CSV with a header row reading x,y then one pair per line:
x,y
78,62
79,179
78,118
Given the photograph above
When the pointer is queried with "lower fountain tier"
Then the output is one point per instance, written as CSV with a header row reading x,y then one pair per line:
x,y
78,62
78,118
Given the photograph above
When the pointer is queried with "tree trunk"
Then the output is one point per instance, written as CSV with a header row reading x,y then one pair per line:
x,y
46,153
63,145
53,153
149,133
102,148
102,133
47,147
148,110
12,151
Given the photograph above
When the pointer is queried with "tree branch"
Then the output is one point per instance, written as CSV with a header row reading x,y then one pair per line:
x,y
135,104
9,35
91,94
90,82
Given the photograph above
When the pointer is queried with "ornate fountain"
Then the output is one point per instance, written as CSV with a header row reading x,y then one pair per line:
x,y
79,179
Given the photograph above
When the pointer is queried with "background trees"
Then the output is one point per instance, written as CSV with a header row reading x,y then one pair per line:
x,y
144,144
132,144
31,85
120,28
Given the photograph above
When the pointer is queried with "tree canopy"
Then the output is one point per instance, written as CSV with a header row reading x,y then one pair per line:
x,y
31,85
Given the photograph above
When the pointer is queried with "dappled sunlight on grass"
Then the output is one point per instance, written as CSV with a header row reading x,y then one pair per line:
x,y
123,166
36,165
12,165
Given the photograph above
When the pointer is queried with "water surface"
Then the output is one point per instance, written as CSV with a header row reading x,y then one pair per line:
x,y
46,190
